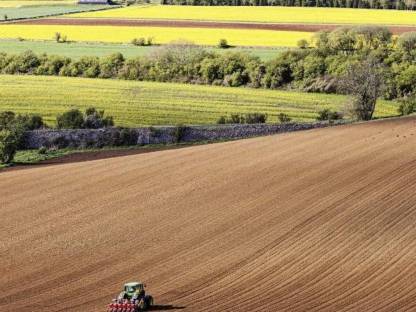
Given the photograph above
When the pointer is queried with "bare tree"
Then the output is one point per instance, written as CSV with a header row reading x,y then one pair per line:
x,y
363,81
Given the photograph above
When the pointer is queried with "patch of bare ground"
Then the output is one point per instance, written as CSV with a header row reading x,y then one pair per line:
x,y
194,24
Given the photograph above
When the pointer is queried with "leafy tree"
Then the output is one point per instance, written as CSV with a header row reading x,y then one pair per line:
x,y
364,82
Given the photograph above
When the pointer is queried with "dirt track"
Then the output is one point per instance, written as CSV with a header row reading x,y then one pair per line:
x,y
200,24
321,220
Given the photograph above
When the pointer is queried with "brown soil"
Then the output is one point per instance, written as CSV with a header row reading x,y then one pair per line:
x,y
91,155
321,220
200,24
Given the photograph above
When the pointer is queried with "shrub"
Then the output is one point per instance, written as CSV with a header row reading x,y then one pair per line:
x,y
222,120
254,118
303,44
127,137
26,122
6,119
223,44
178,133
57,37
30,122
95,119
9,142
139,42
327,114
72,119
407,105
42,150
283,118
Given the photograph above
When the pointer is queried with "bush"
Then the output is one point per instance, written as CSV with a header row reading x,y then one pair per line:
x,y
30,122
95,119
72,119
178,133
75,119
57,37
254,118
27,122
9,142
327,114
42,150
303,44
139,42
283,118
6,119
223,44
407,105
250,118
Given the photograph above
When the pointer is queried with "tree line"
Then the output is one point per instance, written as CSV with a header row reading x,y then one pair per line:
x,y
316,66
368,4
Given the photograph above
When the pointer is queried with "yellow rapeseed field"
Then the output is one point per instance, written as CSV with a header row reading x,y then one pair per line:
x,y
161,35
262,14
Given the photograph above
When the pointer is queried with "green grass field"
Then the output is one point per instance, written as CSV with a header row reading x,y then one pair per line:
x,y
263,14
78,49
22,3
36,10
161,35
135,103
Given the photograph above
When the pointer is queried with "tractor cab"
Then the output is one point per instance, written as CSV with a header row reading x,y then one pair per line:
x,y
133,298
132,288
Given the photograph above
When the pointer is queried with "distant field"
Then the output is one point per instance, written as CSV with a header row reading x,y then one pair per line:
x,y
135,103
79,49
263,14
19,3
43,9
161,35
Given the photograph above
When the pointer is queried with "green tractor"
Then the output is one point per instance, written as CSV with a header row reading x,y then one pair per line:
x,y
133,298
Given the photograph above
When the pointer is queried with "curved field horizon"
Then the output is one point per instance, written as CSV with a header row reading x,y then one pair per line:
x,y
320,220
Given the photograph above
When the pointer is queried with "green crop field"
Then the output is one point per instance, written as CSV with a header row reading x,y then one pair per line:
x,y
36,10
303,15
161,35
78,49
22,3
135,103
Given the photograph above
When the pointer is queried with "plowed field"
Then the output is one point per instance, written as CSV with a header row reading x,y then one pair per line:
x,y
320,220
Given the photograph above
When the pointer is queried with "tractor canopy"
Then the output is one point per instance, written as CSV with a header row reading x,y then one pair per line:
x,y
131,288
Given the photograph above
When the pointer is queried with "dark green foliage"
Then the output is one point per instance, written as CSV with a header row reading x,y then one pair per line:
x,y
26,122
178,133
407,105
140,42
9,142
12,128
92,119
72,119
328,115
283,118
127,137
250,118
223,44
253,118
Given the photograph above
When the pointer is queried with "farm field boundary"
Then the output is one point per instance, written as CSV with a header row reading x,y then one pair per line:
x,y
196,24
161,135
